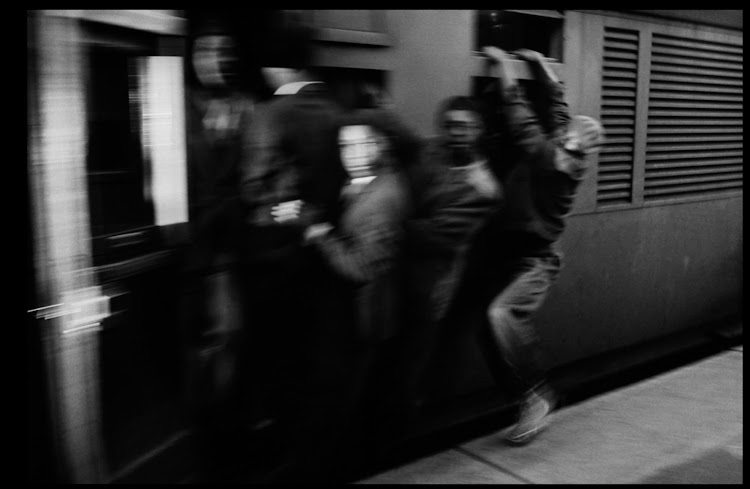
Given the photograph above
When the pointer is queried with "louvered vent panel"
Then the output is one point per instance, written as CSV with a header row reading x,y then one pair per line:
x,y
694,139
620,68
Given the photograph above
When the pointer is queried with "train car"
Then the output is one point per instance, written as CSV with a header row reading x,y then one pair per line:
x,y
653,247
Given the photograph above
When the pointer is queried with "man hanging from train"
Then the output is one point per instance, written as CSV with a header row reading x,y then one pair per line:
x,y
515,259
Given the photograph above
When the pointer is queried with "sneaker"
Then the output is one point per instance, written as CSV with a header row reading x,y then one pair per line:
x,y
534,417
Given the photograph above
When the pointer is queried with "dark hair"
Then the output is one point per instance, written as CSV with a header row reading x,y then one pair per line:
x,y
403,144
245,27
376,118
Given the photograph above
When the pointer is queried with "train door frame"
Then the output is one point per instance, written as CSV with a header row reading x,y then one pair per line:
x,y
43,461
70,304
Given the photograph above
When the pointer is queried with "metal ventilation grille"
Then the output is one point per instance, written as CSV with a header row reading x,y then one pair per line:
x,y
694,138
619,82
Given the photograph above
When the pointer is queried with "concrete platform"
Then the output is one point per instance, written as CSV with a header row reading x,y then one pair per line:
x,y
683,426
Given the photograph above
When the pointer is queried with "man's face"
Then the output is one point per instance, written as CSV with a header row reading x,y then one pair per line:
x,y
214,59
462,128
359,149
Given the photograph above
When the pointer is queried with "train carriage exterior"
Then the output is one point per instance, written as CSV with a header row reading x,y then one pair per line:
x,y
653,247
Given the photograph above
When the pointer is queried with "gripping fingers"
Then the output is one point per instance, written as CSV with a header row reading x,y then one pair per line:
x,y
495,54
539,60
286,211
530,56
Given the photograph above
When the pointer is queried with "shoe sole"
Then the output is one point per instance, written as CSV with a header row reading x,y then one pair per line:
x,y
526,437
531,434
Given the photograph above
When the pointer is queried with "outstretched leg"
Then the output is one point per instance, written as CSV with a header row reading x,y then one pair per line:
x,y
511,338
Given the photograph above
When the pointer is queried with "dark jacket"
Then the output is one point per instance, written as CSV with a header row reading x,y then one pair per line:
x,y
365,249
290,152
538,196
213,152
452,205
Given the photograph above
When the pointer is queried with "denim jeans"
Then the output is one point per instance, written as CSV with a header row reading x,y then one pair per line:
x,y
509,334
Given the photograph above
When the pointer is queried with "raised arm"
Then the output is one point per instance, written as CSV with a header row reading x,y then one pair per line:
x,y
524,128
550,107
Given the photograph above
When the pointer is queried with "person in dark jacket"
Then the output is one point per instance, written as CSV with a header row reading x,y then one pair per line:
x,y
516,259
365,247
219,107
362,296
291,177
454,191
218,110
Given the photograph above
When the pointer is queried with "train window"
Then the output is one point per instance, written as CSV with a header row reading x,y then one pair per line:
x,y
163,126
136,168
538,30
115,161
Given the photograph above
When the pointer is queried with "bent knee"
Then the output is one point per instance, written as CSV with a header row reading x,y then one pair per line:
x,y
499,315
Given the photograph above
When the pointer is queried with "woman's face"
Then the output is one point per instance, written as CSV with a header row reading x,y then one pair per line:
x,y
360,148
213,59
